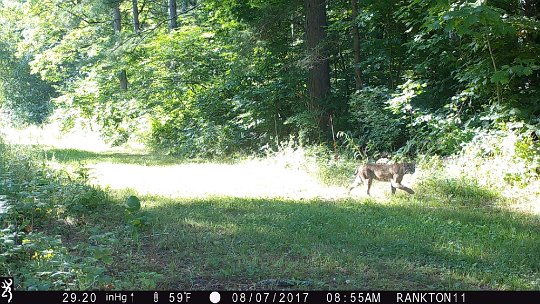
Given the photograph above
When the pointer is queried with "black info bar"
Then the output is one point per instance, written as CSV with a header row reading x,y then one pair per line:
x,y
239,297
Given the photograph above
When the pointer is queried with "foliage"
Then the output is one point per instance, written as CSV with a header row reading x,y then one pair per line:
x,y
453,79
513,150
379,129
135,216
45,213
440,131
37,198
465,64
23,94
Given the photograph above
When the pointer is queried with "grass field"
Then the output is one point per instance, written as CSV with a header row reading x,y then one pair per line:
x,y
270,224
450,235
400,244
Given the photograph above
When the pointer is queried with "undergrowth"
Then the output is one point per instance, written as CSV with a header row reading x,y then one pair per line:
x,y
58,232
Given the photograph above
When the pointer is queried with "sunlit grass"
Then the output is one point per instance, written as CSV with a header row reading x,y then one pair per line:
x,y
170,176
76,156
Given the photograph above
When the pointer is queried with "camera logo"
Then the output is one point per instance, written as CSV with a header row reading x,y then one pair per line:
x,y
6,286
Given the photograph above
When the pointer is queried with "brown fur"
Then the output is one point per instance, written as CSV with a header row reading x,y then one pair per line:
x,y
383,172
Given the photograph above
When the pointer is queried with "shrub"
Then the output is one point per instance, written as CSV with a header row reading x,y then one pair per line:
x,y
441,130
509,155
39,201
375,127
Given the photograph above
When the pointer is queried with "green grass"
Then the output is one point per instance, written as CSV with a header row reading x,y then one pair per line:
x,y
84,156
451,235
72,156
404,243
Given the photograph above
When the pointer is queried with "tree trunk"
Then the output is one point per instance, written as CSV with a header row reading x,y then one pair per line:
x,y
356,46
122,77
117,19
173,15
319,68
136,24
117,24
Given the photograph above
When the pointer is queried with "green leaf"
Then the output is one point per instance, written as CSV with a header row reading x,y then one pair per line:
x,y
527,71
133,203
500,77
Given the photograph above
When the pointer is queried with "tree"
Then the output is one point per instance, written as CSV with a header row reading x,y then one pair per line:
x,y
173,15
249,73
136,24
117,24
356,46
319,68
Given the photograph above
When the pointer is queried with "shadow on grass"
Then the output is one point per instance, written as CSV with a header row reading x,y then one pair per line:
x,y
76,155
241,243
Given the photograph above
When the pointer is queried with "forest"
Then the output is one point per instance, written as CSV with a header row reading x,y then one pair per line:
x,y
221,91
